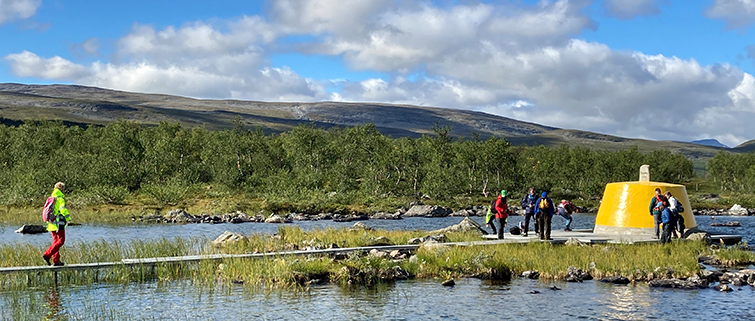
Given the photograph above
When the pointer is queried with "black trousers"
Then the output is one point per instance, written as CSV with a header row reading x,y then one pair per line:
x,y
544,224
667,230
527,217
501,223
680,224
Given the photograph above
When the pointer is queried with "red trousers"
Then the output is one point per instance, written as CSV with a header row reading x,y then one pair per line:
x,y
58,239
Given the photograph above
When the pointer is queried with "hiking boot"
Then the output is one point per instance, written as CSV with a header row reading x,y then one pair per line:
x,y
58,264
47,259
567,229
524,235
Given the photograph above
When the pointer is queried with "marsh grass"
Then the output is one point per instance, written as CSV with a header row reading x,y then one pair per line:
x,y
639,262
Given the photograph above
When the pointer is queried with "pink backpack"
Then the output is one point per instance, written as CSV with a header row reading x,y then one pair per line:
x,y
48,212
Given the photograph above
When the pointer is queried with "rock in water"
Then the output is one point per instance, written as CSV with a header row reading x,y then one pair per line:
x,y
448,283
466,225
531,274
616,280
427,211
723,288
228,237
31,229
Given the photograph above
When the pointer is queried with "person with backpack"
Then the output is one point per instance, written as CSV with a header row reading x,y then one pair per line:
x,y
501,212
655,204
56,225
544,215
667,223
490,217
528,204
676,209
565,210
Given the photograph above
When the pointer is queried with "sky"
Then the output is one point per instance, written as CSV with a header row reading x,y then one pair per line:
x,y
654,69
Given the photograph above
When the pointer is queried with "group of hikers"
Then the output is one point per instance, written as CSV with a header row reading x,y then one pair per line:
x,y
666,211
541,209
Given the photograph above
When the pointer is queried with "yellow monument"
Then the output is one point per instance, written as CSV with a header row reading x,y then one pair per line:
x,y
624,208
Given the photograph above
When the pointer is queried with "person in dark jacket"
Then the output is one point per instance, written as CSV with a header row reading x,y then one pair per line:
x,y
528,204
502,212
667,222
544,214
657,200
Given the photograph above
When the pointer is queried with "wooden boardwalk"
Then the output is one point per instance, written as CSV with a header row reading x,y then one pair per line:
x,y
559,237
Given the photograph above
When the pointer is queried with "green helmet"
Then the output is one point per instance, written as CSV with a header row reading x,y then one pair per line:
x,y
503,192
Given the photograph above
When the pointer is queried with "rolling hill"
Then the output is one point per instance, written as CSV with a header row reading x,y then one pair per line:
x,y
91,105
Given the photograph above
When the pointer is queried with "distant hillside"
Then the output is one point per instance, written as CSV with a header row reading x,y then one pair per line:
x,y
90,105
709,142
745,147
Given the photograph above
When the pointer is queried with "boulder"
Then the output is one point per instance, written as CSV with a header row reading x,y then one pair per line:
x,y
349,218
379,241
574,274
437,238
298,217
448,283
427,211
618,279
738,210
31,229
378,253
386,216
180,216
466,225
359,226
515,230
700,236
228,237
275,218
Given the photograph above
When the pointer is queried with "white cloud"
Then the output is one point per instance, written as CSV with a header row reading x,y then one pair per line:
x,y
736,13
520,61
11,10
628,9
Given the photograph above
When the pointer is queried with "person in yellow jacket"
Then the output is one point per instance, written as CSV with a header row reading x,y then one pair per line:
x,y
57,227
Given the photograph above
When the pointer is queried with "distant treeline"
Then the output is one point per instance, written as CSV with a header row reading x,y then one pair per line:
x,y
168,162
733,172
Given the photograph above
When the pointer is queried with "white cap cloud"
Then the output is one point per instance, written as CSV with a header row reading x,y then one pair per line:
x,y
521,61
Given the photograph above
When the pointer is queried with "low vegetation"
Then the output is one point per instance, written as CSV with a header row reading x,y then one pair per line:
x,y
638,262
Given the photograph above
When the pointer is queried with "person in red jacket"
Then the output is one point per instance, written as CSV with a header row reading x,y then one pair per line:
x,y
502,212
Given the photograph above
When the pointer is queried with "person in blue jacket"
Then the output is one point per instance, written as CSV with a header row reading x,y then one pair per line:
x,y
544,214
528,204
667,221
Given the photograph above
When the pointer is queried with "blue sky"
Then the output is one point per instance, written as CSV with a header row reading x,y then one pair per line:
x,y
657,69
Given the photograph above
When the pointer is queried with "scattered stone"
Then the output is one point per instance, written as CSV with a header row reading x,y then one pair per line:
x,y
276,219
180,216
359,226
618,279
377,253
738,210
575,241
711,276
531,275
349,218
379,241
723,288
436,238
448,283
574,274
31,229
427,211
228,237
689,284
466,225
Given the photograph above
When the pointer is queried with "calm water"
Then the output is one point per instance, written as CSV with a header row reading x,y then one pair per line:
x,y
470,299
126,233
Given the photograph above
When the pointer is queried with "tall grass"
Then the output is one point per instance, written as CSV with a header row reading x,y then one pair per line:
x,y
638,262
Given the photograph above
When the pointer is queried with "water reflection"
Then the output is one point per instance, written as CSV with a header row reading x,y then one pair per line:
x,y
52,303
626,302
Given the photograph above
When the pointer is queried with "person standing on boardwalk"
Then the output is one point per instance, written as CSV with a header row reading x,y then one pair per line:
x,y
544,213
528,204
58,226
654,209
677,209
502,212
667,223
